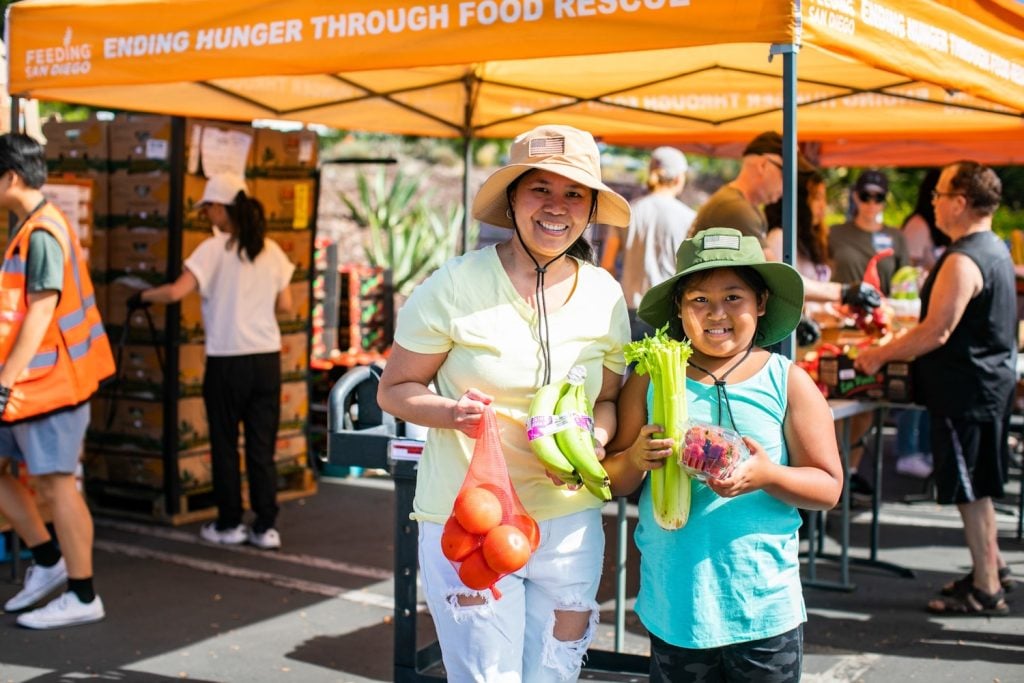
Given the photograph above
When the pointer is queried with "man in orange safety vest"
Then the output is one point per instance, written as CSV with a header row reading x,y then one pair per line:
x,y
53,354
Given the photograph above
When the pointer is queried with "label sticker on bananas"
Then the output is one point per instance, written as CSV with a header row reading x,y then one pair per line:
x,y
546,425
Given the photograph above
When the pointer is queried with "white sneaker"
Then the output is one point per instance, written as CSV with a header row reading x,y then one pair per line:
x,y
268,540
209,532
39,582
917,465
67,610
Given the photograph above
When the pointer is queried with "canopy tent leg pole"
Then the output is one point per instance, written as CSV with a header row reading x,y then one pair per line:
x,y
172,323
789,166
467,165
12,219
467,159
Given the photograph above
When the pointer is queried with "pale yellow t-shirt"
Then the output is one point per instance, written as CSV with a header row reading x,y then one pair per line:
x,y
469,309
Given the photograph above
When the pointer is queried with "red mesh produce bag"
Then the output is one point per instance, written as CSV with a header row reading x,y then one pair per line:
x,y
489,533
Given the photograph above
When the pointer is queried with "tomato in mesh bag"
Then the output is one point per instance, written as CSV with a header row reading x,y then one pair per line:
x,y
489,533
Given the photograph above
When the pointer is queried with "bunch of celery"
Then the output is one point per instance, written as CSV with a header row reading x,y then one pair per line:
x,y
664,359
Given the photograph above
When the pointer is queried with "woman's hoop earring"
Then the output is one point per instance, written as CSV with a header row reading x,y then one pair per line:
x,y
508,213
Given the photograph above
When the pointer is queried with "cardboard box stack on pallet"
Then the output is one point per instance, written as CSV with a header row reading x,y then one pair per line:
x,y
129,161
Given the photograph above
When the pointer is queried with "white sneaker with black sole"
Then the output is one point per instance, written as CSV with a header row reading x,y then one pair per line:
x,y
268,540
235,536
39,582
67,610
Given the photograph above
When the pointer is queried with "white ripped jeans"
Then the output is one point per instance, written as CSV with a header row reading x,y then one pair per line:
x,y
512,639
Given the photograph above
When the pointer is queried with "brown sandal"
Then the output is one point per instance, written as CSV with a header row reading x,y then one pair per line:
x,y
961,585
973,602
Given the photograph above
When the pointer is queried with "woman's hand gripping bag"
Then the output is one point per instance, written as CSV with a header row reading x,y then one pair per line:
x,y
489,533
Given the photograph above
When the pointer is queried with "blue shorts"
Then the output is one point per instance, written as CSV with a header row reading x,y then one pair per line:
x,y
48,445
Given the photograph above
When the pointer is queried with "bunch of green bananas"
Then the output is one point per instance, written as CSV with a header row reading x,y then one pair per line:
x,y
564,445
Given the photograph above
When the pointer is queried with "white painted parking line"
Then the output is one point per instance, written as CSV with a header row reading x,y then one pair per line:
x,y
311,561
361,597
848,668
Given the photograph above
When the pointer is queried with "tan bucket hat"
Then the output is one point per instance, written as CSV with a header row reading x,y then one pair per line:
x,y
567,151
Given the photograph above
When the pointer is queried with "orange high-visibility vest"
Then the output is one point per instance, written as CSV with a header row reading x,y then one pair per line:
x,y
74,355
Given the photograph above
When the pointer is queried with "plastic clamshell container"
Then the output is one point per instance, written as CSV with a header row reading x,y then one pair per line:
x,y
710,451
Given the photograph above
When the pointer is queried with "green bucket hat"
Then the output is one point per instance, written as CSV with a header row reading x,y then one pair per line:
x,y
729,248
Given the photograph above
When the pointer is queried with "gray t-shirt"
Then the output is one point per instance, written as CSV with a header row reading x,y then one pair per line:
x,y
850,249
44,270
658,226
728,208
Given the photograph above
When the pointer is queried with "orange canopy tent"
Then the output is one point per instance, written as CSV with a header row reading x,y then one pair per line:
x,y
894,81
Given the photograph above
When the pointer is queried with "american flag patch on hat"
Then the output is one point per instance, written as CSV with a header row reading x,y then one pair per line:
x,y
540,147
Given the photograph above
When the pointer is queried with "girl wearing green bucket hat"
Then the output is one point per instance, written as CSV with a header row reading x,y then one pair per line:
x,y
723,592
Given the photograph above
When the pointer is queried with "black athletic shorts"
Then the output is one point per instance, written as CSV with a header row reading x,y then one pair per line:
x,y
971,459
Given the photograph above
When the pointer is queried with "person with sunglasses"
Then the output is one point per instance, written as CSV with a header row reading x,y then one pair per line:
x,y
851,245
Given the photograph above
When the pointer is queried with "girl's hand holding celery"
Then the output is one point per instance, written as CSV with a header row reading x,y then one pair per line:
x,y
649,452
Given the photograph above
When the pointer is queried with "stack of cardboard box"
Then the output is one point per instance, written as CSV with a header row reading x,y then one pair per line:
x,y
128,160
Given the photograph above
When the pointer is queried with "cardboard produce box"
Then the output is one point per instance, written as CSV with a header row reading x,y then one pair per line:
x,y
278,153
139,199
147,470
77,146
294,356
141,371
100,181
140,143
289,447
288,204
891,383
97,255
137,251
192,192
137,424
297,245
76,195
298,319
120,288
294,405
142,251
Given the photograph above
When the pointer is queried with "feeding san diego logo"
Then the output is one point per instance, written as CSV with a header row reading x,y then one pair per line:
x,y
66,59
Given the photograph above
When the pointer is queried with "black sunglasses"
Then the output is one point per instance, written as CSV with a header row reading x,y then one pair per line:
x,y
877,197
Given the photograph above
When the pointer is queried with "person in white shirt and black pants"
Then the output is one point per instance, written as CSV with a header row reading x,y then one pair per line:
x,y
242,277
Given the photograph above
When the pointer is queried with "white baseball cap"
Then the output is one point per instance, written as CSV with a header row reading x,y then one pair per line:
x,y
670,161
222,189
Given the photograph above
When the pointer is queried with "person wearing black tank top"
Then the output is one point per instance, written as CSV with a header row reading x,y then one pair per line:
x,y
965,351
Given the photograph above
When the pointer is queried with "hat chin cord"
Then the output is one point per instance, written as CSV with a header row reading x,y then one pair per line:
x,y
723,395
543,328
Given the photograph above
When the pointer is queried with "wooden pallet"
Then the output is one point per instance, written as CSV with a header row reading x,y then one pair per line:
x,y
193,506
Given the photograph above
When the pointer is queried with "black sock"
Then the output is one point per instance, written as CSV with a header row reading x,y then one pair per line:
x,y
46,553
82,588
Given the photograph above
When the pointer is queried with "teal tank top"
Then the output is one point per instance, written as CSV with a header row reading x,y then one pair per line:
x,y
732,574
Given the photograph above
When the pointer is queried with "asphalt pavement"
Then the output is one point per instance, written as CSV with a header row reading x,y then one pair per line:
x,y
321,609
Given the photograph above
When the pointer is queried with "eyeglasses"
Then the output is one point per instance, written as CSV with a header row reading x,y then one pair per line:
x,y
936,194
876,197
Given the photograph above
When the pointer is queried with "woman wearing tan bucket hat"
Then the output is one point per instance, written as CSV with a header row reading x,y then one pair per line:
x,y
491,327
722,595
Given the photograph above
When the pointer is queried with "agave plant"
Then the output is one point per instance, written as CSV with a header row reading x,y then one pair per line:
x,y
405,234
